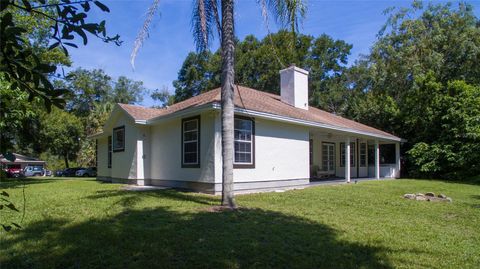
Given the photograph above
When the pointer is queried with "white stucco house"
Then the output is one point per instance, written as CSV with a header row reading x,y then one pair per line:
x,y
280,142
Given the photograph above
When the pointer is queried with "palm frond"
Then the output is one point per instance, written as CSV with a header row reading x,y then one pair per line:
x,y
264,8
287,13
143,34
204,19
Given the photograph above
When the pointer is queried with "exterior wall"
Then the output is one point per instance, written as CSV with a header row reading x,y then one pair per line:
x,y
166,156
102,158
124,165
281,154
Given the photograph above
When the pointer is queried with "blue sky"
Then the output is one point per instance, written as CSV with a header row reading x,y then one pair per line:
x,y
355,21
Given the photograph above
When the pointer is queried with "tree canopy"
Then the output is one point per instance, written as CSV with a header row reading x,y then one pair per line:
x,y
258,62
421,82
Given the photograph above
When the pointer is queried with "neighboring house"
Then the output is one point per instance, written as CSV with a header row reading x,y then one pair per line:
x,y
21,161
280,142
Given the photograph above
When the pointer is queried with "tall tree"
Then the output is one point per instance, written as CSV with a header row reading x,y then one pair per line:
x,y
205,20
426,57
162,96
257,63
88,87
128,91
199,72
62,132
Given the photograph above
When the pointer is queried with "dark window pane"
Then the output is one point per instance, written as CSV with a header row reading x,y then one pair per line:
x,y
190,125
190,147
387,154
189,136
190,157
243,124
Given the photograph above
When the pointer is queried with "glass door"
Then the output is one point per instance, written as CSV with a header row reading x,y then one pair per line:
x,y
328,158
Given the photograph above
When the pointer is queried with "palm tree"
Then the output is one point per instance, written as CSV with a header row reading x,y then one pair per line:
x,y
205,19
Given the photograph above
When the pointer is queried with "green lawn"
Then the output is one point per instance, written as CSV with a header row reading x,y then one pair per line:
x,y
82,223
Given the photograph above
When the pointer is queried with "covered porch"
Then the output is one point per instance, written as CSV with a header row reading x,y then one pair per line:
x,y
349,155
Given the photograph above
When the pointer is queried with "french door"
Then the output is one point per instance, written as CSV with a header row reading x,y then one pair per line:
x,y
328,157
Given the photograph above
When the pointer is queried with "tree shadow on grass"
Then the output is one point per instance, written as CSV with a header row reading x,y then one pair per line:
x,y
12,183
129,196
161,238
467,181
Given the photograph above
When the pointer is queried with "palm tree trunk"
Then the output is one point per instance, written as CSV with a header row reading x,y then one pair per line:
x,y
228,49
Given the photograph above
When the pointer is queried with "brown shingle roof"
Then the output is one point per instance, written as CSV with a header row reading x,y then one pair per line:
x,y
251,99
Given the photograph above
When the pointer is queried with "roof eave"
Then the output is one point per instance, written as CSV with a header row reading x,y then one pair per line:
x,y
310,123
180,113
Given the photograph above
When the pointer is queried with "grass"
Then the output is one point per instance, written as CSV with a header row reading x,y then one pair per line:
x,y
82,223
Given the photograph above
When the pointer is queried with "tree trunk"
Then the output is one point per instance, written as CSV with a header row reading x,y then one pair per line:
x,y
65,158
228,49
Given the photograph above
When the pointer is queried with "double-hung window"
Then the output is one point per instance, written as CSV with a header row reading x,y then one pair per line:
x,y
119,139
191,142
244,138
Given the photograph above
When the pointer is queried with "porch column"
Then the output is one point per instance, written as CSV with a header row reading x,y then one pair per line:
x,y
347,159
377,160
397,160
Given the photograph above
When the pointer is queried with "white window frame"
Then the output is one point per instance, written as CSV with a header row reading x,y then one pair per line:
x,y
196,141
251,142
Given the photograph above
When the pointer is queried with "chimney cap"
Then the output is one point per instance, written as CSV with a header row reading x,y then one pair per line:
x,y
294,68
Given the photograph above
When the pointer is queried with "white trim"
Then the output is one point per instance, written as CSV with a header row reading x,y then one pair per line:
x,y
244,141
347,159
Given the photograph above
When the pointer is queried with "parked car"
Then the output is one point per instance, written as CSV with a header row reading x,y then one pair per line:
x,y
59,173
13,172
87,172
70,172
33,170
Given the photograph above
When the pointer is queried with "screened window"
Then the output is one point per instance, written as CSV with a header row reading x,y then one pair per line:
x,y
119,139
109,152
191,142
244,142
387,154
352,154
363,154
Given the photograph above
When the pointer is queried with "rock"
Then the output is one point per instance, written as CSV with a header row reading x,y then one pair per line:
x,y
420,194
409,196
443,196
431,194
420,198
448,199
